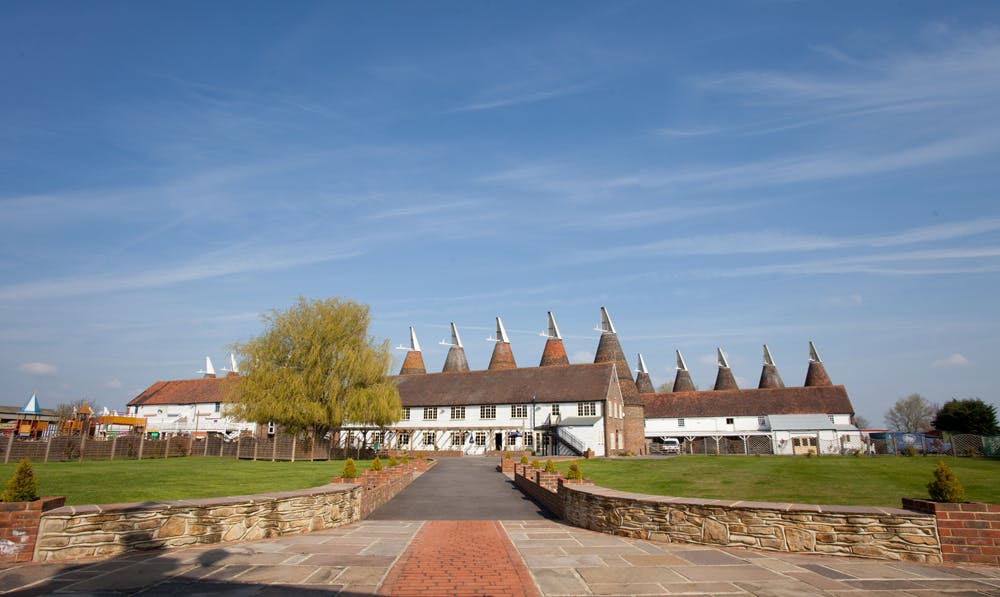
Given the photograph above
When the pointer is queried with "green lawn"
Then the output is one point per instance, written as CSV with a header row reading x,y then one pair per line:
x,y
107,482
840,480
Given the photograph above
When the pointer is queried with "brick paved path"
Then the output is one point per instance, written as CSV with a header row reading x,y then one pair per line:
x,y
469,557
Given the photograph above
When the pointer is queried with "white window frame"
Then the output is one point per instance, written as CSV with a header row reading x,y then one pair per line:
x,y
430,413
456,439
406,413
403,438
480,438
458,413
488,411
430,438
680,422
519,411
555,409
586,409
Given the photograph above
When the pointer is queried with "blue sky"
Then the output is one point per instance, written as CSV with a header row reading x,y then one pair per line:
x,y
715,173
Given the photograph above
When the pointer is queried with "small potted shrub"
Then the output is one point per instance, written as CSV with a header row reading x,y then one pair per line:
x,y
405,459
376,465
524,458
536,464
349,474
574,472
392,461
550,466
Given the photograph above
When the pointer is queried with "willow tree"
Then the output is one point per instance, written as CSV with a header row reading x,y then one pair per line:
x,y
316,367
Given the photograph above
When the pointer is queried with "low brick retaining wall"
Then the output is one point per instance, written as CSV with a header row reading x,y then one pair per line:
x,y
861,531
19,527
74,532
969,532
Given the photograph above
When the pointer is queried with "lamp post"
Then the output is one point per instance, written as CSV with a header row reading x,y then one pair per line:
x,y
534,448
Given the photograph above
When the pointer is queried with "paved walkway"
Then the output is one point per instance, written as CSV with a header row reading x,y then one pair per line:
x,y
359,559
464,488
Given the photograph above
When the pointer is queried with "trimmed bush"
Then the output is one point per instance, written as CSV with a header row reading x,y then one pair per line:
x,y
945,486
550,467
392,461
376,464
524,459
574,472
420,455
536,464
405,459
910,450
350,469
22,486
506,455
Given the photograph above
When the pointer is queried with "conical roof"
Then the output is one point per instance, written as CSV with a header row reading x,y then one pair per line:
x,y
609,350
816,375
642,381
31,406
554,352
503,357
769,376
724,379
682,381
413,363
455,362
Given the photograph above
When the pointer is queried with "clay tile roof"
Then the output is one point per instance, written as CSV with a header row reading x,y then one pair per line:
x,y
413,364
554,353
816,375
572,383
750,402
683,381
770,378
186,391
503,357
609,350
644,384
725,380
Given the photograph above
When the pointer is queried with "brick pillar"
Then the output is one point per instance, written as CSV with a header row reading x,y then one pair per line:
x,y
19,522
968,532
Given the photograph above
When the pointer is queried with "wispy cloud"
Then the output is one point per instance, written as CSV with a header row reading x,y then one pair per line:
x,y
953,360
418,209
531,97
37,368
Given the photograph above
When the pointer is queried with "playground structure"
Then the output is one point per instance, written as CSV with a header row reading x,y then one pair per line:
x,y
105,425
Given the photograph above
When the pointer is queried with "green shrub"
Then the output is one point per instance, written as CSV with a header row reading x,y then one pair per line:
x,y
524,459
392,461
536,464
629,453
22,486
350,469
405,459
945,486
550,467
506,455
910,450
420,455
574,472
376,464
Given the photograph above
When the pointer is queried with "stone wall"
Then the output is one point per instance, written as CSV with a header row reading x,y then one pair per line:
x,y
19,522
969,532
74,532
861,531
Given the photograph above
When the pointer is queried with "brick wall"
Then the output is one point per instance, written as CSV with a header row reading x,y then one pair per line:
x,y
19,522
969,532
635,429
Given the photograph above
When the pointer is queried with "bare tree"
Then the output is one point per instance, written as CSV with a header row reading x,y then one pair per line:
x,y
912,414
861,422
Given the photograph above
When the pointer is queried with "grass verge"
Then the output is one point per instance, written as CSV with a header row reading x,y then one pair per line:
x,y
116,481
840,480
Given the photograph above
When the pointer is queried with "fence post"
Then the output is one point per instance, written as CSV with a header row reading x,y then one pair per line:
x,y
274,447
239,438
48,446
83,441
10,446
256,444
166,450
142,443
114,445
222,444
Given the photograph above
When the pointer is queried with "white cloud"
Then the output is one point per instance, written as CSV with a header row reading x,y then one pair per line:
x,y
530,97
114,384
36,368
709,359
850,300
582,356
953,360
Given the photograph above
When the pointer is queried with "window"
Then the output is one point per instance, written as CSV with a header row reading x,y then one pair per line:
x,y
430,413
488,411
376,438
529,439
586,409
519,411
271,427
406,413
555,409
456,439
428,438
729,420
480,438
457,413
404,438
217,405
762,421
680,422
831,419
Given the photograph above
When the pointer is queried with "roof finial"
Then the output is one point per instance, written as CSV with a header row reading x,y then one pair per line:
x,y
642,365
553,331
767,357
722,358
501,333
813,355
232,363
209,370
606,326
681,365
414,343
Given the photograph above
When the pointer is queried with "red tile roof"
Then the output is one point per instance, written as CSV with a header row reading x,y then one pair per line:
x,y
554,353
816,375
683,381
187,391
609,350
572,383
725,380
413,364
770,378
503,357
750,402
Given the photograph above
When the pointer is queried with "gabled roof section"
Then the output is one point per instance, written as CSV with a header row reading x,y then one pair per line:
x,y
751,402
572,383
187,391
